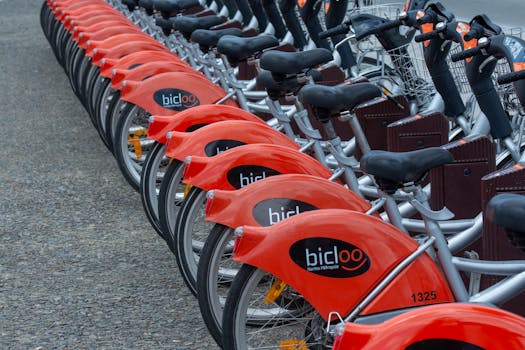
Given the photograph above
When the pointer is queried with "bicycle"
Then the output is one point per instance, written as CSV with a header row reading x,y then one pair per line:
x,y
303,253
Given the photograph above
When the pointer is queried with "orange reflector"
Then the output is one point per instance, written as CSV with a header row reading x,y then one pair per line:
x,y
293,344
187,189
134,140
274,292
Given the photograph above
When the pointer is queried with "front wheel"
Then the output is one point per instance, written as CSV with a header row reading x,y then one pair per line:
x,y
214,277
191,231
151,177
171,195
251,321
131,144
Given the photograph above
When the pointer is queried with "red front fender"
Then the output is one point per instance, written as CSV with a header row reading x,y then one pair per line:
x,y
169,93
77,8
80,9
94,37
93,24
244,165
121,42
269,201
123,49
219,137
446,326
194,118
335,257
136,60
147,70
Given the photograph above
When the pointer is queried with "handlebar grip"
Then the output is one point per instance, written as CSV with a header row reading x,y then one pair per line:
x,y
427,18
465,54
473,33
337,30
381,28
426,36
511,77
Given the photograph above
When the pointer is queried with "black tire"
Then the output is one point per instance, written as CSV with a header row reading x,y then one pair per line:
x,y
171,196
191,231
150,181
115,109
212,284
45,11
101,109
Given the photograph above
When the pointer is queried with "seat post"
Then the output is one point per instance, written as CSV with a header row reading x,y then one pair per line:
x,y
357,130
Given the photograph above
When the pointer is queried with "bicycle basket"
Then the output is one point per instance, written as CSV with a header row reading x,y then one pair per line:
x,y
410,70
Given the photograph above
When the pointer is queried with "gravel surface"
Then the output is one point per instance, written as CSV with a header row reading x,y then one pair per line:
x,y
80,266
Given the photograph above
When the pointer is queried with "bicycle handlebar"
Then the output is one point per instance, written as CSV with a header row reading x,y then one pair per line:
x,y
381,28
511,77
426,36
337,30
466,54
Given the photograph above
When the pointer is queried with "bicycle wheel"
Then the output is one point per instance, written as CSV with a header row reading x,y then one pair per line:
x,y
93,91
171,195
131,143
115,109
191,231
214,276
101,109
151,177
249,322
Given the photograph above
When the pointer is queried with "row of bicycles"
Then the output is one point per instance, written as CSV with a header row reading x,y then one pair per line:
x,y
327,174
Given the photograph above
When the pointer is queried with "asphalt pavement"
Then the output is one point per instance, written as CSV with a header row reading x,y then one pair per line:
x,y
80,266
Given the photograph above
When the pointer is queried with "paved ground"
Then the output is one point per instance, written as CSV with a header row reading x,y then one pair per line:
x,y
79,265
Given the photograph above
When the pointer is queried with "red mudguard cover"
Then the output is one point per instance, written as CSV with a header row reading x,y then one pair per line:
x,y
244,165
136,60
87,39
445,326
335,257
219,137
168,93
194,118
109,44
95,24
123,49
266,202
76,9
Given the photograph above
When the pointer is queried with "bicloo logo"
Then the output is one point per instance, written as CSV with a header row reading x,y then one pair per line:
x,y
329,257
244,175
270,211
218,146
175,99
